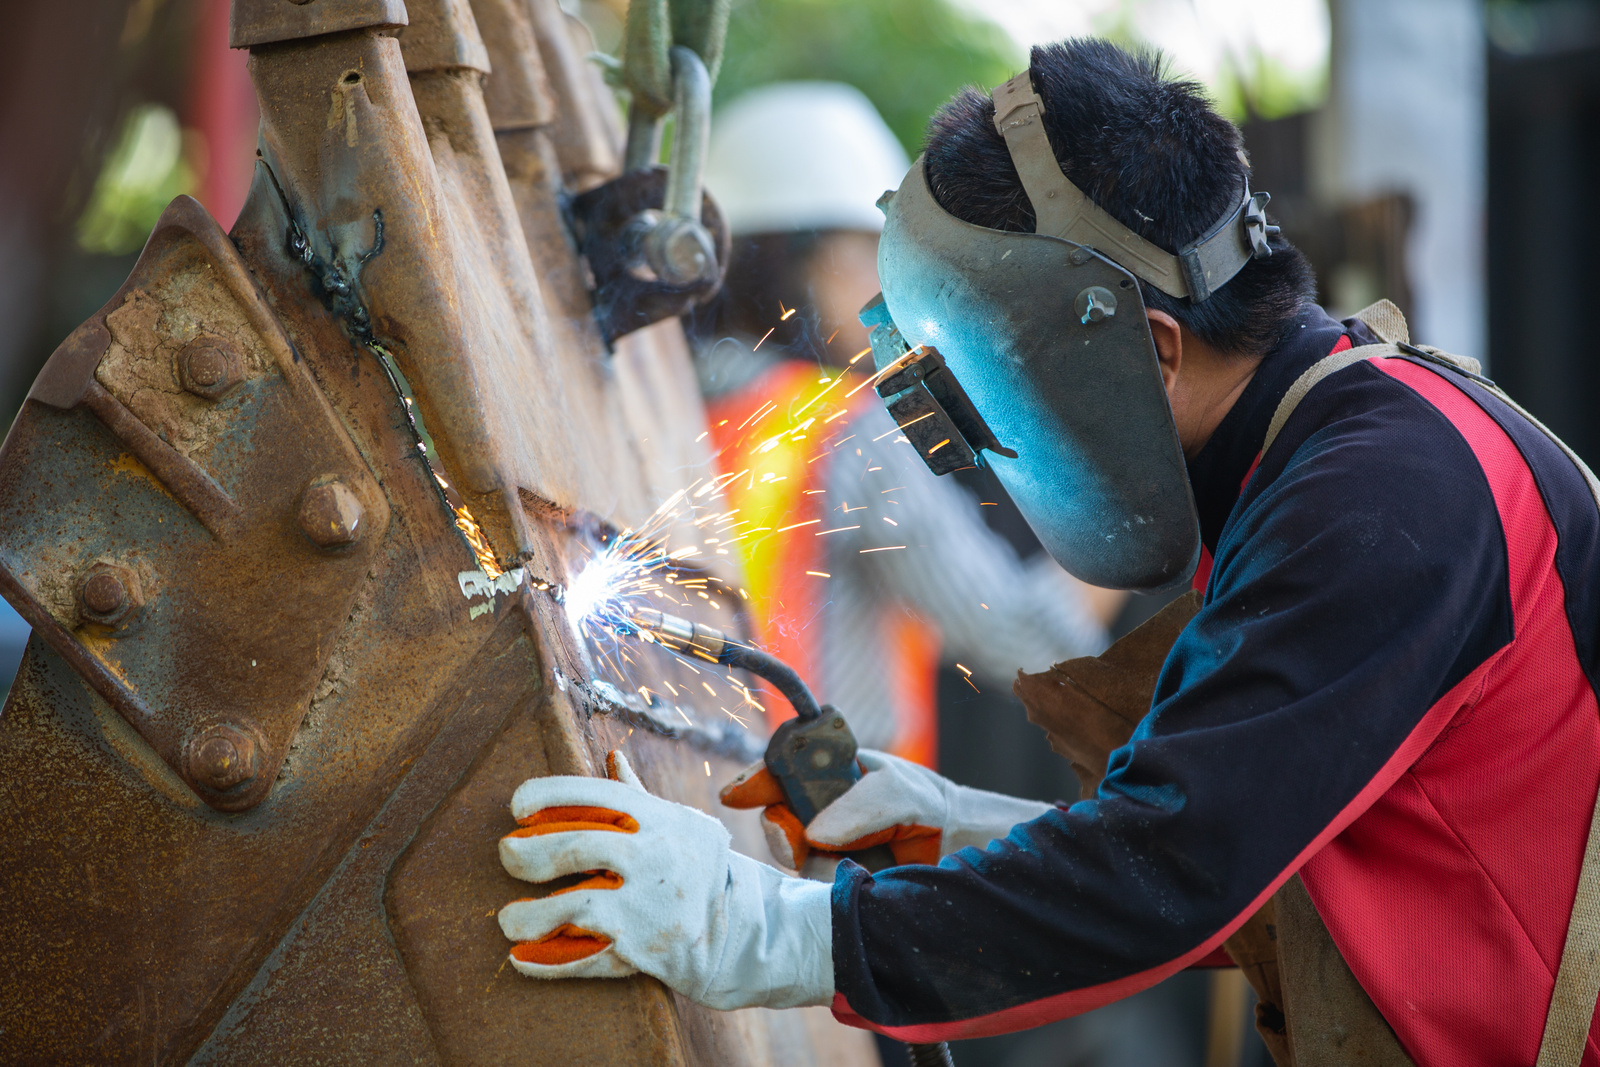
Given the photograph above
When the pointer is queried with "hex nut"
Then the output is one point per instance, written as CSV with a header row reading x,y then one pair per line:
x,y
209,368
223,757
330,514
109,594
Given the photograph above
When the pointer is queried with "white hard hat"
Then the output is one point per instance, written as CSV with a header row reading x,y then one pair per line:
x,y
802,156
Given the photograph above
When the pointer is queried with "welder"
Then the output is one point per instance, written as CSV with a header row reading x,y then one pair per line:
x,y
1386,704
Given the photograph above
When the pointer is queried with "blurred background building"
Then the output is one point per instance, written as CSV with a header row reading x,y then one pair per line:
x,y
1438,152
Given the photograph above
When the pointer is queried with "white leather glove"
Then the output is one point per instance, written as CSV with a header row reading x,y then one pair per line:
x,y
920,815
664,894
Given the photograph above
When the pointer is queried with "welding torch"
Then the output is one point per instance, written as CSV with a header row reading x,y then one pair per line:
x,y
812,756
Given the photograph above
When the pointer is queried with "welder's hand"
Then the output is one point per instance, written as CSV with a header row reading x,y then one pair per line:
x,y
653,886
920,815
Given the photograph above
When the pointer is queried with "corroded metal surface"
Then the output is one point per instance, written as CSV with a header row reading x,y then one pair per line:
x,y
258,756
170,498
259,22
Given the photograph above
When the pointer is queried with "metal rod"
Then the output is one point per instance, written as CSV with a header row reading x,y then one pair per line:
x,y
691,136
644,139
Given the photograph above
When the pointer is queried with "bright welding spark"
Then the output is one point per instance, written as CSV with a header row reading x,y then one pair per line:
x,y
599,591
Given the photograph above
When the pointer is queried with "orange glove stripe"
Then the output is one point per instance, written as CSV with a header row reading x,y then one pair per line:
x,y
786,820
574,817
565,944
886,836
759,790
910,843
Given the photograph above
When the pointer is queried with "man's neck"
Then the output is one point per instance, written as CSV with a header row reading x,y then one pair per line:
x,y
1203,394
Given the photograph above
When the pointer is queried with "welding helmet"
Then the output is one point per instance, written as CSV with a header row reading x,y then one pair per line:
x,y
1030,353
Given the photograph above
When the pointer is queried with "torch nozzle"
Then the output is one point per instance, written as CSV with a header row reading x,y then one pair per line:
x,y
680,635
712,645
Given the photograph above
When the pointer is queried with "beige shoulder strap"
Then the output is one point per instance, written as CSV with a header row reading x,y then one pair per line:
x,y
1572,1005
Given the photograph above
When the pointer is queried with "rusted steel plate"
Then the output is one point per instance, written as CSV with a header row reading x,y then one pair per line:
x,y
348,914
587,132
442,35
211,452
258,22
131,915
340,958
517,93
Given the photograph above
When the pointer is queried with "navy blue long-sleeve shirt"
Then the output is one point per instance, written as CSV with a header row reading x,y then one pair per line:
x,y
1390,688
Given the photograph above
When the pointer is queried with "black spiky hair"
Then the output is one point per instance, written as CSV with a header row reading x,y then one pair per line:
x,y
1146,147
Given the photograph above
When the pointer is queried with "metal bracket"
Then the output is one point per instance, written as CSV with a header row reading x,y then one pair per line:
x,y
1256,226
935,413
668,252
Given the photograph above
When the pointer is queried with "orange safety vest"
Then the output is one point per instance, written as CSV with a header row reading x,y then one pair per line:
x,y
771,440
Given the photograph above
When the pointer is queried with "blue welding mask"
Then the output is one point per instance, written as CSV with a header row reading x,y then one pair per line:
x,y
1030,353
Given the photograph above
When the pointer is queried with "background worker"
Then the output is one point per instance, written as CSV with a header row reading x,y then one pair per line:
x,y
906,571
1386,705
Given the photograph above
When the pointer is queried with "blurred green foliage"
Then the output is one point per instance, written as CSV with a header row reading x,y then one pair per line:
x,y
148,166
907,56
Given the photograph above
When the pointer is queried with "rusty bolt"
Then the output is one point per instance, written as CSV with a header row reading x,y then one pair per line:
x,y
109,594
222,757
330,514
209,368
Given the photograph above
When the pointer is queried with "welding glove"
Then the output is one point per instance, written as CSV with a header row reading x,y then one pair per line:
x,y
920,815
649,885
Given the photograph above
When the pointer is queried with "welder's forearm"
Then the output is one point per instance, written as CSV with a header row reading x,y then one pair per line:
x,y
1012,938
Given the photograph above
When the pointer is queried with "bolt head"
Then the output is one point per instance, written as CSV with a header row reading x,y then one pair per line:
x,y
330,515
681,253
104,594
222,757
109,594
209,368
1095,304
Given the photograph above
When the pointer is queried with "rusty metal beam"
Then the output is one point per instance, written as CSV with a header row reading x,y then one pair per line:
x,y
257,759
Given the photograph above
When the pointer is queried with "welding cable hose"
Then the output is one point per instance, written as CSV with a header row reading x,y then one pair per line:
x,y
710,644
629,882
779,674
921,815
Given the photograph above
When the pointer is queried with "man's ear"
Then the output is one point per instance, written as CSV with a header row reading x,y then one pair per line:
x,y
1168,336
